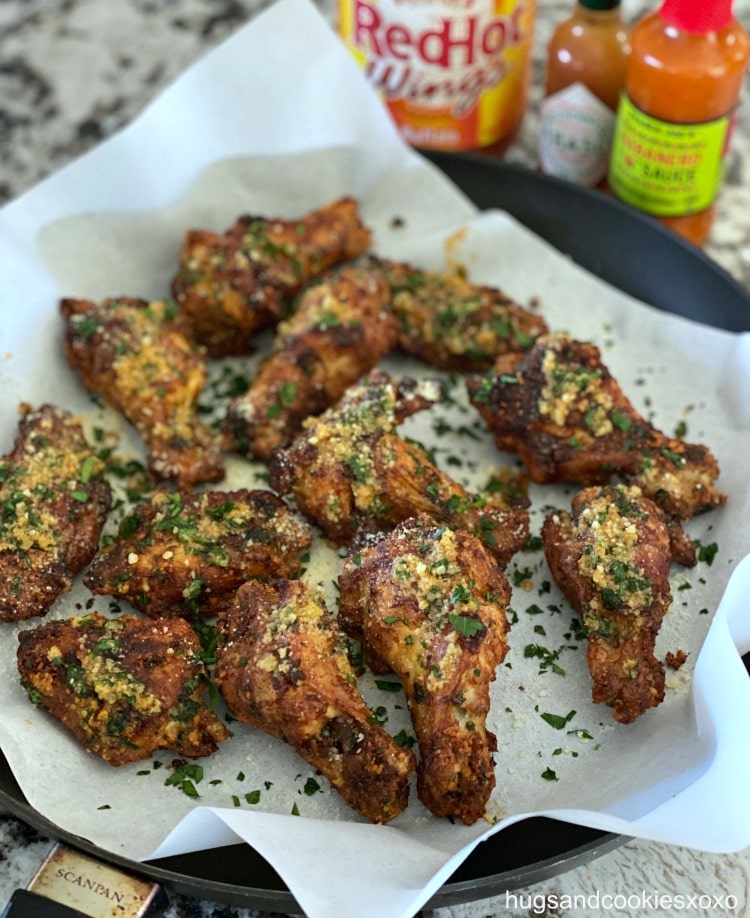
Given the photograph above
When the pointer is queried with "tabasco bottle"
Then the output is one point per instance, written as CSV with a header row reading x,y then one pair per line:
x,y
586,60
453,73
674,123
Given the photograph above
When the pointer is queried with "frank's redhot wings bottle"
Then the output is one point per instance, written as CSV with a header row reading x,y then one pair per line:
x,y
453,73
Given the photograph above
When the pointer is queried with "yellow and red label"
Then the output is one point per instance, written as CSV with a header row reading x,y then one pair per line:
x,y
453,73
666,169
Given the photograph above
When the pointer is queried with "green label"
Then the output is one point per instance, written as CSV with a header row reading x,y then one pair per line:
x,y
666,169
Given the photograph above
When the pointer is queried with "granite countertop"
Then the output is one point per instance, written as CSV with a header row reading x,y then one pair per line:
x,y
74,71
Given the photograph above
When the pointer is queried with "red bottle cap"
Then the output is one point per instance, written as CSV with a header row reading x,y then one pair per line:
x,y
699,16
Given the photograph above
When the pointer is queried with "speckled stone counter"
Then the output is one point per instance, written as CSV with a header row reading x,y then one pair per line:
x,y
74,71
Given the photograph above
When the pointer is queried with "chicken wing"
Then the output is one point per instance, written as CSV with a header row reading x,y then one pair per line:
x,y
350,473
181,555
340,329
611,559
560,408
124,687
138,356
454,324
53,505
233,284
430,603
282,667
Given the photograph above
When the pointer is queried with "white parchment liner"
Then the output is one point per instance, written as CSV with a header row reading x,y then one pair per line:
x,y
276,121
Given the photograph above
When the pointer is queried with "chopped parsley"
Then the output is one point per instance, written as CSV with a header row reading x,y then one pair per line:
x,y
558,721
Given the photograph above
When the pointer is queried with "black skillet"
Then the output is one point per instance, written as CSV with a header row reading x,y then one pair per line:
x,y
629,251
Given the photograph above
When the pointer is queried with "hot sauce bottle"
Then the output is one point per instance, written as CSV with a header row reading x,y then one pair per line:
x,y
586,59
454,74
591,47
682,87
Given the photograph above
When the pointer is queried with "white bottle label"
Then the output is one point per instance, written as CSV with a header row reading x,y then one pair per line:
x,y
575,135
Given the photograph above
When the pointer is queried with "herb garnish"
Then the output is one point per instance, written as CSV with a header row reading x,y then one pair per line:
x,y
185,777
558,721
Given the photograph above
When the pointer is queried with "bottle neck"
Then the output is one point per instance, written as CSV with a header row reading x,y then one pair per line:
x,y
609,17
599,6
697,16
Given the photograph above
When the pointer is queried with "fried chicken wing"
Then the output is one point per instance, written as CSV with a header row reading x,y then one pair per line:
x,y
181,555
453,324
233,284
139,358
349,472
282,667
340,329
53,505
611,559
124,687
430,603
560,408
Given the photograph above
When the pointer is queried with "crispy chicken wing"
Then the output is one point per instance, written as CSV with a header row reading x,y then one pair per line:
x,y
124,687
180,555
349,472
564,413
233,284
282,667
340,329
611,558
53,505
454,324
430,603
138,356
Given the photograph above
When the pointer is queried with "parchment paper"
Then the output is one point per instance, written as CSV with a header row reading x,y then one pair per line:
x,y
225,140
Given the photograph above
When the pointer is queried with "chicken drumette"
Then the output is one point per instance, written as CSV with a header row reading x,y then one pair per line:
x,y
139,358
182,555
233,284
350,473
54,503
429,603
611,558
560,408
124,687
453,324
282,667
339,330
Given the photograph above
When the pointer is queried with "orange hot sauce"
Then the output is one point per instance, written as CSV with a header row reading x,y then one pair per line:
x,y
682,87
586,60
591,47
